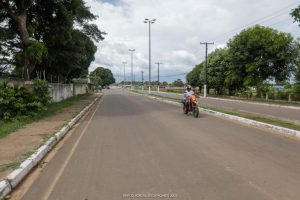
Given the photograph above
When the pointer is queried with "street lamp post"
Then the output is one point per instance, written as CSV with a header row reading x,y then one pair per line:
x,y
142,80
149,21
158,63
124,63
131,50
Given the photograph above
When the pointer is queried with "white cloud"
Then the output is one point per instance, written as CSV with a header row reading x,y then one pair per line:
x,y
180,27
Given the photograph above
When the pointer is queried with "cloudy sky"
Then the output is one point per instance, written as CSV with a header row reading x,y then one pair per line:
x,y
180,27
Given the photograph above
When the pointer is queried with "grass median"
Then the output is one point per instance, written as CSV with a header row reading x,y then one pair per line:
x,y
273,121
253,100
7,127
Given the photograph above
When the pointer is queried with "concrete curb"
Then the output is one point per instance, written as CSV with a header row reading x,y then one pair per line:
x,y
240,101
285,131
15,177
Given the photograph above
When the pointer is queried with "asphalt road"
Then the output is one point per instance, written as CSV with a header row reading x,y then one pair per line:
x,y
131,146
288,114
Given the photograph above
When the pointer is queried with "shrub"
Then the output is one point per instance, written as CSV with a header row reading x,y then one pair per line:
x,y
296,91
17,101
40,88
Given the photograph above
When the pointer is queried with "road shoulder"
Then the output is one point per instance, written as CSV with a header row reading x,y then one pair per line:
x,y
20,144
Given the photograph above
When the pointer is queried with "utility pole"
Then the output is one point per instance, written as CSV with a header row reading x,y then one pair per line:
x,y
142,80
124,63
158,63
206,47
131,50
148,21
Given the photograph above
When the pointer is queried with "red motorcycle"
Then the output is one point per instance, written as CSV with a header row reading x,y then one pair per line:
x,y
191,106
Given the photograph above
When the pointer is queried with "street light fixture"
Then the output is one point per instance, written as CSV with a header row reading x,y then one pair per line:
x,y
149,21
131,50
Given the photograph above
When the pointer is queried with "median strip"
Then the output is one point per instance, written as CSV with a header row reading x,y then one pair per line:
x,y
271,103
281,126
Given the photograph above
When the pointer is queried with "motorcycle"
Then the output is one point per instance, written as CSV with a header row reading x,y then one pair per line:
x,y
191,106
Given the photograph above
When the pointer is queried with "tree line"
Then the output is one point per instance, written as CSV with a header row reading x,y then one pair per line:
x,y
55,37
254,58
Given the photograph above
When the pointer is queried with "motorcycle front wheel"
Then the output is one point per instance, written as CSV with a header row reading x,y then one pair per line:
x,y
185,110
196,112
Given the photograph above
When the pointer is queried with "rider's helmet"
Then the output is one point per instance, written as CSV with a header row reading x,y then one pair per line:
x,y
188,88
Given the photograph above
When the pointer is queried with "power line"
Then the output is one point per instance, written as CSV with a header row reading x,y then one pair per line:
x,y
174,75
263,19
270,25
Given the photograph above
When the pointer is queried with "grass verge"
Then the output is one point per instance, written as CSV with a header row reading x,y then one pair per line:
x,y
273,121
7,127
15,165
270,101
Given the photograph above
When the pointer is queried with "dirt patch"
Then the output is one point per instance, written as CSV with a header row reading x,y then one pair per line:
x,y
18,145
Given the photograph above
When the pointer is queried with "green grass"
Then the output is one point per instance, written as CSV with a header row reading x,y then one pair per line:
x,y
272,121
7,127
15,165
46,136
270,101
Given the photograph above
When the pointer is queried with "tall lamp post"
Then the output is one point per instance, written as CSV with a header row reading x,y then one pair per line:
x,y
124,63
131,50
149,21
158,63
142,80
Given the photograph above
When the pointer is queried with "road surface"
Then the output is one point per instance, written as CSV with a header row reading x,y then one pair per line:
x,y
131,146
283,113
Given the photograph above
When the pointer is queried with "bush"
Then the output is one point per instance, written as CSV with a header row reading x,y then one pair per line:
x,y
282,95
296,91
40,88
17,101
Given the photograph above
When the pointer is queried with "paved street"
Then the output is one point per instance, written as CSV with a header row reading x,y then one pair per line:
x,y
131,146
262,110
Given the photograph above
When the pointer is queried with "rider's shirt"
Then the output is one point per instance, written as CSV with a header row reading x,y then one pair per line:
x,y
188,94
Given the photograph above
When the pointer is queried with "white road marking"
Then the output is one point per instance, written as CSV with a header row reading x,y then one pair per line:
x,y
57,177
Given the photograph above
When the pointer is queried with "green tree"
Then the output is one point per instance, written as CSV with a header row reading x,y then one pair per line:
x,y
102,76
13,17
35,27
178,83
193,78
296,14
73,58
260,53
165,83
296,86
218,65
7,47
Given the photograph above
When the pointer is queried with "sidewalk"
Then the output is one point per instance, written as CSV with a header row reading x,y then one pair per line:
x,y
20,144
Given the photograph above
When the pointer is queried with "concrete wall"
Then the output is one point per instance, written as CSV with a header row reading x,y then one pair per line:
x,y
59,92
80,89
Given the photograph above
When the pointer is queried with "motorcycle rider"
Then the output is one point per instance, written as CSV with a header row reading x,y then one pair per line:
x,y
188,92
